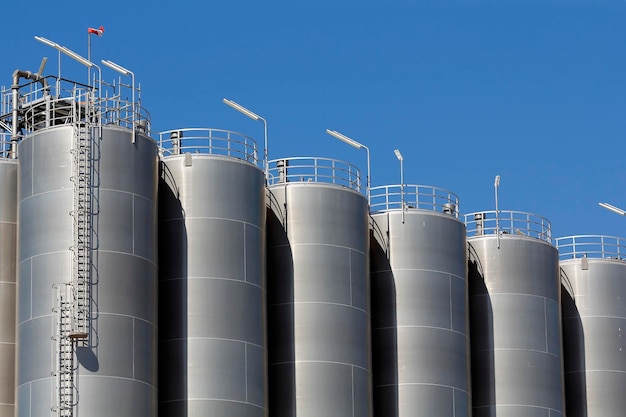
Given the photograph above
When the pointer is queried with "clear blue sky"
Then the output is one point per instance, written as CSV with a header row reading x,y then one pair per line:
x,y
534,91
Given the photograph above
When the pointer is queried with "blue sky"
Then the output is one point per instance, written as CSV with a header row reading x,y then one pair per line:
x,y
534,91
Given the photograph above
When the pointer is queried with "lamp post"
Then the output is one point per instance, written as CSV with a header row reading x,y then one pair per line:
x,y
253,116
126,72
496,185
357,145
612,208
401,159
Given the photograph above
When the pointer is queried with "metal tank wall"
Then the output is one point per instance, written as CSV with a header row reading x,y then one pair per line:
x,y
318,290
116,370
420,320
8,232
515,318
594,323
212,321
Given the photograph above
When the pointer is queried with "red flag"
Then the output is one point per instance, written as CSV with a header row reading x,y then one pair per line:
x,y
97,32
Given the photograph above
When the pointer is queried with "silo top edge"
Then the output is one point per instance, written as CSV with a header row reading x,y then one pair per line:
x,y
413,197
314,170
508,223
208,141
591,247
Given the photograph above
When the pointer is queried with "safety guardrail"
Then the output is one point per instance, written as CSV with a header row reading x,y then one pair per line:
x,y
591,246
5,145
505,222
318,170
411,196
208,141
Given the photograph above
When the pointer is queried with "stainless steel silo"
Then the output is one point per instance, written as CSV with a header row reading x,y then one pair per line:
x,y
87,261
593,272
318,290
8,232
420,320
212,321
515,316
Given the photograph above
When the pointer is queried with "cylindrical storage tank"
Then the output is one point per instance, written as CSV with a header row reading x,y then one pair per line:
x,y
8,232
593,273
212,314
318,290
113,370
420,322
515,318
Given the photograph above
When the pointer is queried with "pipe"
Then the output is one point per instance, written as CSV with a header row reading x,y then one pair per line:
x,y
17,74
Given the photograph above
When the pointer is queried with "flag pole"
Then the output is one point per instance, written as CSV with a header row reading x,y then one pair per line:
x,y
88,56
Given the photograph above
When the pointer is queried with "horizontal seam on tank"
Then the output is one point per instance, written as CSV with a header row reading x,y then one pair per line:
x,y
421,383
7,343
462,277
212,399
8,282
517,350
518,405
64,190
213,338
614,371
102,313
126,253
319,302
595,317
6,222
65,251
420,327
212,218
514,294
332,362
113,190
327,244
218,278
117,377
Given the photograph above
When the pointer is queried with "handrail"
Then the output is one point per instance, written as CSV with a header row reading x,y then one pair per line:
x,y
311,169
208,141
418,197
52,105
591,246
508,223
5,145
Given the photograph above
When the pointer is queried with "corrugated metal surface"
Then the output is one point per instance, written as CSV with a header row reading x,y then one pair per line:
x,y
116,372
212,348
318,296
8,231
593,272
420,315
515,320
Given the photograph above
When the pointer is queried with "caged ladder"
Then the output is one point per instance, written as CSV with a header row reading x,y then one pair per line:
x,y
73,298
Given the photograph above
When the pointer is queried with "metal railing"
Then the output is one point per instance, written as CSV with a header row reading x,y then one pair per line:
x,y
64,102
5,145
208,141
508,223
318,170
591,246
420,197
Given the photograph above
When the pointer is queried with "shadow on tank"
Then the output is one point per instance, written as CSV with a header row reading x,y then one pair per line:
x,y
384,327
173,298
280,320
574,366
481,340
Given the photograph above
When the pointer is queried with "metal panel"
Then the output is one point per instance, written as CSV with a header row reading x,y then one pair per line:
x,y
116,366
515,321
594,325
318,291
212,279
420,314
8,293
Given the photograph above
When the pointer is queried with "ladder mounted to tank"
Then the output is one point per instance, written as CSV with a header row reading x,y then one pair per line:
x,y
74,297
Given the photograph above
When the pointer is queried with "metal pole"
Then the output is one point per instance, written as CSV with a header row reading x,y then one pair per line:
x,y
496,184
